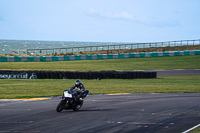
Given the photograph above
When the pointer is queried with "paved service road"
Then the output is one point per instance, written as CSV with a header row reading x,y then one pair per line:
x,y
178,72
131,113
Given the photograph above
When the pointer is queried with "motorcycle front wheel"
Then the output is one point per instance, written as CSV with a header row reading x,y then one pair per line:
x,y
60,107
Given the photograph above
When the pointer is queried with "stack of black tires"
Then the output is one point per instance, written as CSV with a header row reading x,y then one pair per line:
x,y
95,74
77,75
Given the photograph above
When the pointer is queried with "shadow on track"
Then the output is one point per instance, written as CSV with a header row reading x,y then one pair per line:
x,y
90,110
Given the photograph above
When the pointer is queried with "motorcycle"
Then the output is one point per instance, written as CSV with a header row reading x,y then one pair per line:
x,y
70,101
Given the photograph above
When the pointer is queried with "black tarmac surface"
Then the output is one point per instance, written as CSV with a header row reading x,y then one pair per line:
x,y
178,72
131,113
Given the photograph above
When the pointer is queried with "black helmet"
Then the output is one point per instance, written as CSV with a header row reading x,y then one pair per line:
x,y
77,82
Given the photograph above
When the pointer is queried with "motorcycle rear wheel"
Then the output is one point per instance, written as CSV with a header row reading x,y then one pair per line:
x,y
77,107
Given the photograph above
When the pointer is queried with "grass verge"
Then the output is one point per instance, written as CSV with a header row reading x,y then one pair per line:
x,y
151,63
25,88
197,130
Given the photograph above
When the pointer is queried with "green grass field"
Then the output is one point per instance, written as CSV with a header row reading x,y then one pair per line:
x,y
26,88
148,63
197,130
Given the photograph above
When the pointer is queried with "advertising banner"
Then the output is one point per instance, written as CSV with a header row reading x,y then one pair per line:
x,y
17,75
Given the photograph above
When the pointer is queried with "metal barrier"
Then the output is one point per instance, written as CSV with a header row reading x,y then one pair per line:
x,y
98,56
104,47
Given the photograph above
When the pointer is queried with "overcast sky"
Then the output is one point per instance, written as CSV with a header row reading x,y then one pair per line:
x,y
100,20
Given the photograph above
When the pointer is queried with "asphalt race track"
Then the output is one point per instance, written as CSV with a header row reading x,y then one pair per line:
x,y
178,72
129,113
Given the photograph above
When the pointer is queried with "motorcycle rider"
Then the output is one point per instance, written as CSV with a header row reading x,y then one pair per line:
x,y
79,90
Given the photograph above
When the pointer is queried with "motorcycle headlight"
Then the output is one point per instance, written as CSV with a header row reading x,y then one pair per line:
x,y
66,94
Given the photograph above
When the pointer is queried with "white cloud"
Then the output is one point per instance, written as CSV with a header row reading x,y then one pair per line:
x,y
120,15
153,22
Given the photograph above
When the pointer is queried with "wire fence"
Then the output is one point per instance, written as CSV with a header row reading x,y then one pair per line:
x,y
69,50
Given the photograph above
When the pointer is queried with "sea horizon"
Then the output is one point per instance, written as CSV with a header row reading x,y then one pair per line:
x,y
6,45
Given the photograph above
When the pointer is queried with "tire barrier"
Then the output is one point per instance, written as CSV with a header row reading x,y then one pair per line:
x,y
4,74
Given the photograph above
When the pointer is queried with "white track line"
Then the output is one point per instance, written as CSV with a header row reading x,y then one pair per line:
x,y
191,128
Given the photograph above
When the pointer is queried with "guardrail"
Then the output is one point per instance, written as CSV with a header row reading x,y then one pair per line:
x,y
97,56
104,47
